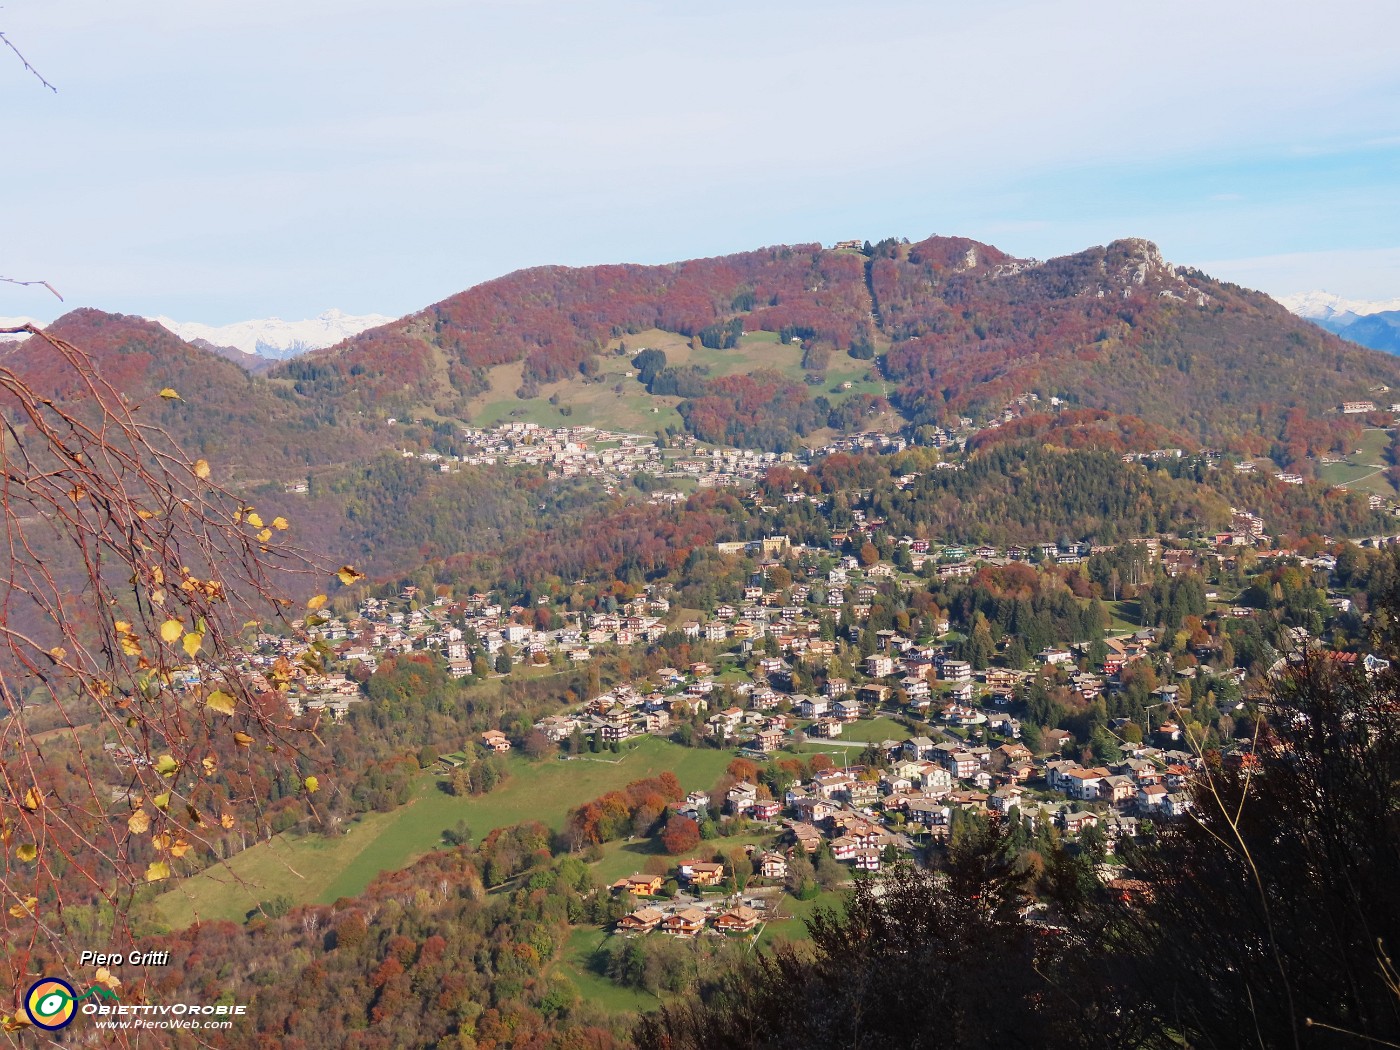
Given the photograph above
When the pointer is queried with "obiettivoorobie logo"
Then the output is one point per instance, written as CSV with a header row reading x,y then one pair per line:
x,y
51,1002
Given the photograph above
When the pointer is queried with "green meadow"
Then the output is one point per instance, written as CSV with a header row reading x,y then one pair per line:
x,y
317,868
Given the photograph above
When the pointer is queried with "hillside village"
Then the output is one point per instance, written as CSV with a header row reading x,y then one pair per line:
x,y
612,458
869,744
911,735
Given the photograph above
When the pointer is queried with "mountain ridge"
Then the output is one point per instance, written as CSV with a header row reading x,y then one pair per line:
x,y
951,326
1370,323
1319,305
777,347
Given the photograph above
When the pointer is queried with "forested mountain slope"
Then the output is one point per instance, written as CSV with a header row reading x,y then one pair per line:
x,y
952,326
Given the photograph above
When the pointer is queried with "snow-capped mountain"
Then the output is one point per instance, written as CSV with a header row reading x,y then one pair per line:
x,y
273,337
1369,322
1324,306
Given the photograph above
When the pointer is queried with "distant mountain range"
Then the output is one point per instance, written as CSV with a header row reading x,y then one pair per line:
x,y
771,349
1373,323
258,343
274,338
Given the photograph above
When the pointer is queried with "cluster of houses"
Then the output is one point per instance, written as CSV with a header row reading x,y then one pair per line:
x,y
690,921
686,919
612,457
920,675
609,457
460,630
867,816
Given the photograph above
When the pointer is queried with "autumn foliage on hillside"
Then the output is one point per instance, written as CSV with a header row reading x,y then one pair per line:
x,y
633,810
967,327
616,542
223,413
759,410
1112,328
1084,428
553,318
964,328
426,957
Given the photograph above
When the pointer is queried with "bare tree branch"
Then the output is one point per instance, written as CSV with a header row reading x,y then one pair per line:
x,y
10,44
132,586
15,280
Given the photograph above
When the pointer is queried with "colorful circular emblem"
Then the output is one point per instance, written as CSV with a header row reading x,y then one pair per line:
x,y
50,1003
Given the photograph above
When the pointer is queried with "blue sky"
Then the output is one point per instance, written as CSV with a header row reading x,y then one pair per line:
x,y
224,160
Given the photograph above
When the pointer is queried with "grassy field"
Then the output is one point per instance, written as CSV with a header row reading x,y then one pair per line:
x,y
630,857
589,403
1123,616
311,868
302,868
575,963
873,730
601,403
789,922
1364,469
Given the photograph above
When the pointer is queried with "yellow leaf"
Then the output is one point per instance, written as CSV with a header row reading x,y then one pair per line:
x,y
105,976
157,870
14,1024
166,766
130,645
169,394
58,653
265,535
33,799
139,822
348,575
210,764
192,642
27,852
255,520
157,574
279,523
25,908
226,820
242,739
161,801
179,848
220,701
316,602
171,630
144,515
312,785
161,841
201,468
122,627
158,597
